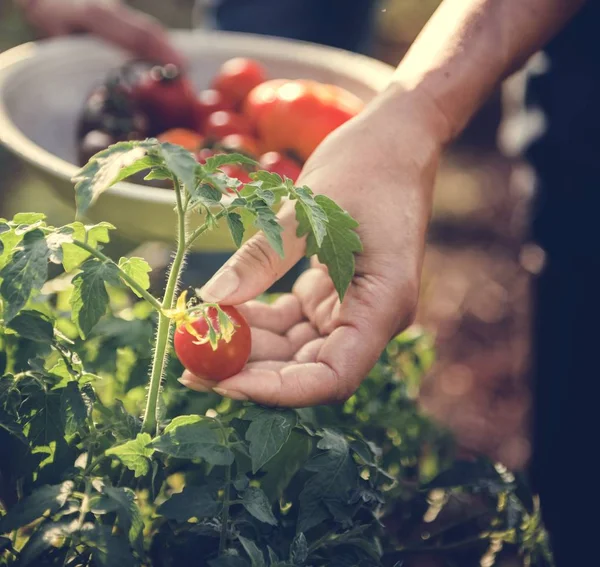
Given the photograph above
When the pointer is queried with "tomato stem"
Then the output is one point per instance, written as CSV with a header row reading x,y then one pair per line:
x,y
165,324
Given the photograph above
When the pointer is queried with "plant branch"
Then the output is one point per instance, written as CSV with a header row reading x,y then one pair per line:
x,y
203,228
123,275
159,360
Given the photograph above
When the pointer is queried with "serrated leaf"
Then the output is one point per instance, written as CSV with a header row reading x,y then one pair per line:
x,y
265,180
28,218
197,440
193,502
137,269
44,538
90,298
214,162
236,228
338,246
44,499
335,479
128,513
108,549
27,270
34,326
256,503
106,168
268,432
134,454
76,407
266,220
253,551
56,240
206,195
313,213
46,424
181,163
299,549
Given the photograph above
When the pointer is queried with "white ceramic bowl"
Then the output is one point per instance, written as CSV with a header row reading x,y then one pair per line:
x,y
43,87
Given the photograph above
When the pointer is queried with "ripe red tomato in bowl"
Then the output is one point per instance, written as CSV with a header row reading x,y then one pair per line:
x,y
188,139
280,164
240,143
224,123
237,77
208,101
227,359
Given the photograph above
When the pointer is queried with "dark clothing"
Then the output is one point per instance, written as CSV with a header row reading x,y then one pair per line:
x,y
566,159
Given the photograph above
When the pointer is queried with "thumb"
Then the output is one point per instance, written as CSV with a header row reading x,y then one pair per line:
x,y
256,265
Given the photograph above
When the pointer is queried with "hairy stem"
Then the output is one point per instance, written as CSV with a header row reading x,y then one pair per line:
x,y
163,332
203,228
123,275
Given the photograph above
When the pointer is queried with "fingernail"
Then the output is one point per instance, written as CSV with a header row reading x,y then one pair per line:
x,y
222,284
193,385
231,394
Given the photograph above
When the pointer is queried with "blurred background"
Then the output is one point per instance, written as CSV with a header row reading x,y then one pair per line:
x,y
478,265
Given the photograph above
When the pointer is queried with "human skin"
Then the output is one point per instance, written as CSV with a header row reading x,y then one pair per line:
x,y
107,19
380,166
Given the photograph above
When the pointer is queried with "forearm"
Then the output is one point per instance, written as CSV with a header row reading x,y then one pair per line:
x,y
468,46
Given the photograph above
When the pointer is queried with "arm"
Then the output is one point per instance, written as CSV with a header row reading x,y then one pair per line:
x,y
108,19
381,167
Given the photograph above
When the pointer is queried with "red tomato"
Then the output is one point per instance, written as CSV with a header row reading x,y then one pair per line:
x,y
167,97
240,143
207,102
261,97
237,77
203,154
229,357
236,172
278,163
189,139
224,123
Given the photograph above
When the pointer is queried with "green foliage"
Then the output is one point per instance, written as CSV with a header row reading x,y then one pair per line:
x,y
212,482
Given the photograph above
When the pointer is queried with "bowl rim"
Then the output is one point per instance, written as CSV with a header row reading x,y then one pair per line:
x,y
376,74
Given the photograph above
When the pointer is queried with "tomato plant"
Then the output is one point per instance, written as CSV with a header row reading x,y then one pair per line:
x,y
197,479
214,359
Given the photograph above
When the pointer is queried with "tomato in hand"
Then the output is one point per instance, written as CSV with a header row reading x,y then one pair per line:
x,y
209,101
240,143
278,163
224,123
237,77
188,139
229,357
167,97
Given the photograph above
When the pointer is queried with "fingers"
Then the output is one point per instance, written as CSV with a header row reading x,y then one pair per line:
x,y
129,29
270,346
277,317
256,265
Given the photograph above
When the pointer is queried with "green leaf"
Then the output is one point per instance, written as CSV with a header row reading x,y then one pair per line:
x,y
108,549
56,240
90,298
44,538
236,227
268,432
93,235
313,213
106,168
193,502
215,162
26,271
206,195
254,553
45,499
34,326
76,407
299,549
12,427
134,454
181,163
195,440
266,220
338,246
128,513
257,504
336,477
28,218
137,269
46,424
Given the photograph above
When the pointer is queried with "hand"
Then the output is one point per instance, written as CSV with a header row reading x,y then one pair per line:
x,y
307,348
107,19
